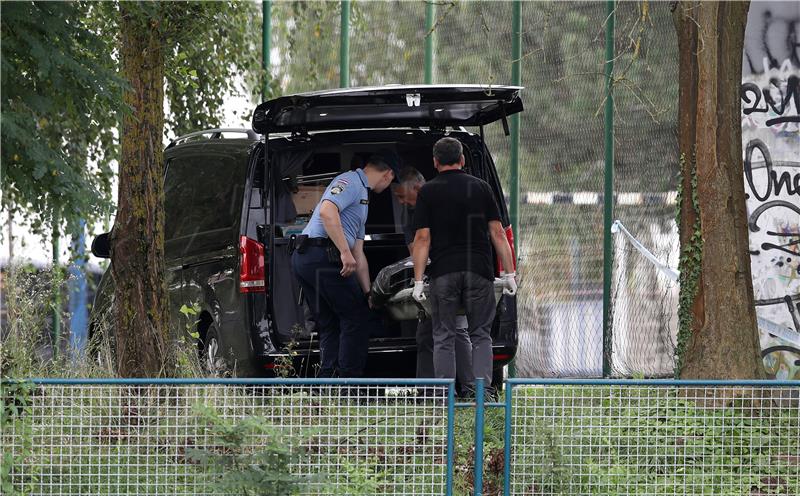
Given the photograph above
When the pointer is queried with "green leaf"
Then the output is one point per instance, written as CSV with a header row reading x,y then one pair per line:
x,y
186,311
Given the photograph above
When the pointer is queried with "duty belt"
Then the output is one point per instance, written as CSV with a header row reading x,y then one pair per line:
x,y
321,242
302,242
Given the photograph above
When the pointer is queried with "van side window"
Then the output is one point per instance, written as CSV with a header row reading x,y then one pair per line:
x,y
203,193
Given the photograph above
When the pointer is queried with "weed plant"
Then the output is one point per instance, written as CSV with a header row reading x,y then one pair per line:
x,y
27,345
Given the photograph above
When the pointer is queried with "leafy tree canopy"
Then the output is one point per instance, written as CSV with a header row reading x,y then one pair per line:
x,y
61,96
211,49
62,93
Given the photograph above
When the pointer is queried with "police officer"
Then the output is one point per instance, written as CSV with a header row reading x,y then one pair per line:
x,y
330,264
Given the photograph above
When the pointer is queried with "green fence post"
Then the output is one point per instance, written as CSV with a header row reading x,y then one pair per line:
x,y
608,192
451,437
266,37
430,40
344,46
507,440
516,80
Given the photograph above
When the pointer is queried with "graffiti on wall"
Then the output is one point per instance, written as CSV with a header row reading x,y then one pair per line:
x,y
771,147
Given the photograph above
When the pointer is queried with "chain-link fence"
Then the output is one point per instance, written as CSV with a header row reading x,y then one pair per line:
x,y
563,172
561,153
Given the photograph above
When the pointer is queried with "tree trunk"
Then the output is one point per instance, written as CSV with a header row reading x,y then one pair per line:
x,y
718,337
137,239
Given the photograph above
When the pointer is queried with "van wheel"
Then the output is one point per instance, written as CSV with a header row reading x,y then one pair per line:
x,y
211,357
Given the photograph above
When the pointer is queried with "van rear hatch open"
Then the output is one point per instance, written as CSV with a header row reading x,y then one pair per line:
x,y
434,106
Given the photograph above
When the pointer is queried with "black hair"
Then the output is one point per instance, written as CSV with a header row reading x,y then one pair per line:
x,y
378,163
448,151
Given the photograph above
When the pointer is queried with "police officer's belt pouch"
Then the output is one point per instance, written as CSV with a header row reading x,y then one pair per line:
x,y
334,256
300,243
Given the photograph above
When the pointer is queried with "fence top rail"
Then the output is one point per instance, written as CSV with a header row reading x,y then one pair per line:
x,y
397,382
648,382
233,382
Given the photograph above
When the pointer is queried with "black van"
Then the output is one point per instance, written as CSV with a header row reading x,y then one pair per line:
x,y
234,198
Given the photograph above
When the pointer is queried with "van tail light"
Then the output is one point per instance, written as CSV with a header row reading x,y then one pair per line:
x,y
510,237
252,275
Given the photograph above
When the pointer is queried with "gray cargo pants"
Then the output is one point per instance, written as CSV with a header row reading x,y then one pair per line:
x,y
475,294
463,352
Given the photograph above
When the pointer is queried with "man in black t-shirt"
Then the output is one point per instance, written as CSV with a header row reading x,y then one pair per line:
x,y
456,218
406,192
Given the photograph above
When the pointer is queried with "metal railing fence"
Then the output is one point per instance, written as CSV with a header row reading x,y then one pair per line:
x,y
291,436
383,436
653,437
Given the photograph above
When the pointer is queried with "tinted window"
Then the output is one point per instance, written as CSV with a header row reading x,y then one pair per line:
x,y
203,193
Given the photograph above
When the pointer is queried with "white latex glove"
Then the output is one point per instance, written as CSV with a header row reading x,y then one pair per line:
x,y
418,294
509,283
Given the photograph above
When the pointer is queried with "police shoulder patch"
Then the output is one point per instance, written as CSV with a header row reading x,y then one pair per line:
x,y
337,189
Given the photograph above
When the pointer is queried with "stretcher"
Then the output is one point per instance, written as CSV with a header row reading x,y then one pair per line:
x,y
394,284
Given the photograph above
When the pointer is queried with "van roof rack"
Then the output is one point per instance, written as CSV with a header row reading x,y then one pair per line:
x,y
214,134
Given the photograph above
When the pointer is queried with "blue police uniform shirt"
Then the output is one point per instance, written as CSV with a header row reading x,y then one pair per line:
x,y
350,193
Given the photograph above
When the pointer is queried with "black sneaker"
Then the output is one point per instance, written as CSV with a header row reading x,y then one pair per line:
x,y
467,393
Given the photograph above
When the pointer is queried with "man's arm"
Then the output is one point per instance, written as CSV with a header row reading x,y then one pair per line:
x,y
501,246
329,213
362,266
422,245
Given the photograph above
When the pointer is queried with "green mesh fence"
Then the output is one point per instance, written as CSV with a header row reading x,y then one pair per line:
x,y
561,156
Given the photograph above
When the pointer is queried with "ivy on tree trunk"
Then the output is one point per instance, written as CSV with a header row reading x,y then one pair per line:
x,y
137,239
718,337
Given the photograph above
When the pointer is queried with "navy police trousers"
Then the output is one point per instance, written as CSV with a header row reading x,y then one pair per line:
x,y
344,319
